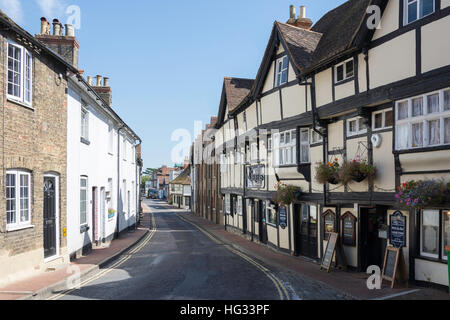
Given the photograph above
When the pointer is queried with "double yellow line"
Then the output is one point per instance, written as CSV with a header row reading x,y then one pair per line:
x,y
282,291
117,264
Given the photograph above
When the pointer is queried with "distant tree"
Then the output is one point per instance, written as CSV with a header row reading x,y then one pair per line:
x,y
149,171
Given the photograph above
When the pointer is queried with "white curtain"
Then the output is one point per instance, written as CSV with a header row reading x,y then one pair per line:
x,y
433,103
447,130
402,137
417,135
417,106
435,132
447,100
402,110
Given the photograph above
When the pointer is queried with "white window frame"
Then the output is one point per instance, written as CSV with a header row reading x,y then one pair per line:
x,y
280,71
425,119
285,153
358,131
84,122
346,74
227,204
305,143
124,148
406,4
422,253
239,202
18,225
111,139
383,126
223,163
315,134
86,188
24,55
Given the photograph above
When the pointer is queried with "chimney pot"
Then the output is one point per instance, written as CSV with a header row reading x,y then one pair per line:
x,y
106,82
44,24
70,30
56,27
89,80
292,11
302,12
99,81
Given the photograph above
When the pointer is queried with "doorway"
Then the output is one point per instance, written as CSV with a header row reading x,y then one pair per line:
x,y
305,230
51,212
262,222
95,215
102,215
373,247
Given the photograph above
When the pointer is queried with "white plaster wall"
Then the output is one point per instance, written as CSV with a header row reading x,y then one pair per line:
x,y
345,90
434,45
324,93
95,162
393,61
389,20
270,108
434,272
294,101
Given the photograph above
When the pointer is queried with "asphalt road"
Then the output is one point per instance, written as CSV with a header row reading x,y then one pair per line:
x,y
180,262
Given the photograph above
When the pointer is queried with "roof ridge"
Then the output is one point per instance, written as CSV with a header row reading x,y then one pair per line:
x,y
303,29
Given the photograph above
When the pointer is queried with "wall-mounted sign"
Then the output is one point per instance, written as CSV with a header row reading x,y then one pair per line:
x,y
329,224
283,217
256,177
398,230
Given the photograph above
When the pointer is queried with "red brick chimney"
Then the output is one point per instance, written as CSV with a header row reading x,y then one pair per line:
x,y
66,45
301,21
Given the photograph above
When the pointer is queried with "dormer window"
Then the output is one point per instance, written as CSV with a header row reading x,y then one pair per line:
x,y
344,71
281,72
418,9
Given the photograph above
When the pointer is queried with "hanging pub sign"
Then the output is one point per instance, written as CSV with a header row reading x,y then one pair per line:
x,y
283,217
256,177
398,230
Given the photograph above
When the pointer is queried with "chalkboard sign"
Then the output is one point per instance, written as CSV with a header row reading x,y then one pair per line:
x,y
283,217
329,224
394,268
398,230
349,229
330,251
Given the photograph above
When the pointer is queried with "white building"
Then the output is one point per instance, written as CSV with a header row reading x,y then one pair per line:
x,y
102,169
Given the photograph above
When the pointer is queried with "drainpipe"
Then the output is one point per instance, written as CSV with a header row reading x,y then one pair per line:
x,y
118,182
138,185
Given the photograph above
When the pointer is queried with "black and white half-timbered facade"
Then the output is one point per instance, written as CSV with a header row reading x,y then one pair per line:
x,y
369,83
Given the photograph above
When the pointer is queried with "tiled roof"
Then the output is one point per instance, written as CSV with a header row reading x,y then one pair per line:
x,y
301,43
339,28
236,90
184,178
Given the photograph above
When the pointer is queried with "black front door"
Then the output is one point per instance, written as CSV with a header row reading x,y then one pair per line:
x,y
305,231
262,222
49,217
372,246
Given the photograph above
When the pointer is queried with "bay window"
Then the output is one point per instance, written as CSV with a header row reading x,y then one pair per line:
x,y
304,146
254,152
417,9
423,121
20,70
285,148
315,137
18,199
434,234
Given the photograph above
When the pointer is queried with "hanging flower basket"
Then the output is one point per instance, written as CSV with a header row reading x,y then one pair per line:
x,y
286,194
357,171
328,173
422,194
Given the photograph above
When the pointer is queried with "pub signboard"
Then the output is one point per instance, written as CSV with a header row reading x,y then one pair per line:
x,y
283,217
256,177
398,230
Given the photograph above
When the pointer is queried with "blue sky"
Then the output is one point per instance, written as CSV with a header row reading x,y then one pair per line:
x,y
167,59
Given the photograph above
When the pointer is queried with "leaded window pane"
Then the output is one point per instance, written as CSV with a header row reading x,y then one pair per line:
x,y
417,107
433,103
447,130
402,110
434,132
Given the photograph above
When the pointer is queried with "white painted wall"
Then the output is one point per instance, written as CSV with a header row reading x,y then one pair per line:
x,y
100,167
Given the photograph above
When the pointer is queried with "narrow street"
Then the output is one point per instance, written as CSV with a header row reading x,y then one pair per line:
x,y
182,263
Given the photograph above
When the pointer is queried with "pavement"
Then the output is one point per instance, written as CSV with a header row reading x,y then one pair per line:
x,y
46,284
350,284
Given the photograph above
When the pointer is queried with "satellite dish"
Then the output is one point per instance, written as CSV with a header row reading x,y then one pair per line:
x,y
377,140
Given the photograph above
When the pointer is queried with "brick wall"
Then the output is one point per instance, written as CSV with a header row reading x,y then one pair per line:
x,y
34,140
